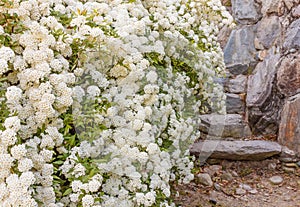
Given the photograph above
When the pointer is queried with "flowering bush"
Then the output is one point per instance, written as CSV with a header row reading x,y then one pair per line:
x,y
99,99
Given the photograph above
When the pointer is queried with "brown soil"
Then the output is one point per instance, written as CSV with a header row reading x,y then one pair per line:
x,y
256,174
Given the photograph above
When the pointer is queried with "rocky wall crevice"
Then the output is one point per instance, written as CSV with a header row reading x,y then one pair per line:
x,y
262,58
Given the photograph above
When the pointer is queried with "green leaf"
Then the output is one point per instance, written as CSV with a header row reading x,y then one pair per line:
x,y
67,192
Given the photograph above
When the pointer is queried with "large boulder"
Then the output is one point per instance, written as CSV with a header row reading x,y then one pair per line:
x,y
263,101
288,78
235,150
289,128
261,81
246,11
239,52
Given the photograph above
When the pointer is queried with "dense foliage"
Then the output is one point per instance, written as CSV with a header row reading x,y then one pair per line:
x,y
99,99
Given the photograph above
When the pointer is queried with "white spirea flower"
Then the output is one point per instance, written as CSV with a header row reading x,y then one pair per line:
x,y
6,53
93,91
12,123
18,151
87,201
25,165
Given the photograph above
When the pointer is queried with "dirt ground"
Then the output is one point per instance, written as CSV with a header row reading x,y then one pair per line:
x,y
253,174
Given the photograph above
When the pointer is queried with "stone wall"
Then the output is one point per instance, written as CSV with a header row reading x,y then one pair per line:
x,y
262,55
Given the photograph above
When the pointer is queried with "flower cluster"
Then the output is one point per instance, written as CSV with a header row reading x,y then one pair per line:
x,y
102,98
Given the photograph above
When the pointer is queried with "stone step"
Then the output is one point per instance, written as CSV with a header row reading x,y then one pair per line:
x,y
229,126
235,150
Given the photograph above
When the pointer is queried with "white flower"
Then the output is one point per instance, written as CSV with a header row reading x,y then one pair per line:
x,y
76,185
25,165
87,200
6,161
18,151
12,123
6,53
93,91
3,66
94,185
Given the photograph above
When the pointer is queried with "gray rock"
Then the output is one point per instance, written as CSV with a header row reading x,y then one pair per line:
x,y
239,52
245,187
298,163
253,191
235,103
227,176
290,3
288,78
296,12
287,155
260,83
215,126
272,166
235,150
236,85
269,6
263,101
276,180
268,31
245,11
288,169
240,191
213,170
292,36
204,179
289,128
217,187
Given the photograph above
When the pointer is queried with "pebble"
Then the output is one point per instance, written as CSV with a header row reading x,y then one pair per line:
x,y
291,165
217,187
298,163
276,180
272,166
227,176
240,191
204,179
253,191
245,187
288,169
234,173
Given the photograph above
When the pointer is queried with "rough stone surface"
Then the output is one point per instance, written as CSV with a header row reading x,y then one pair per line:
x,y
290,3
276,180
268,31
296,12
240,191
287,153
292,36
235,103
204,179
260,83
270,6
236,85
227,176
288,78
289,128
245,11
263,102
230,125
239,53
235,150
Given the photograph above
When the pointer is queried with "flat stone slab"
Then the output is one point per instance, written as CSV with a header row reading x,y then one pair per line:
x,y
225,126
235,150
